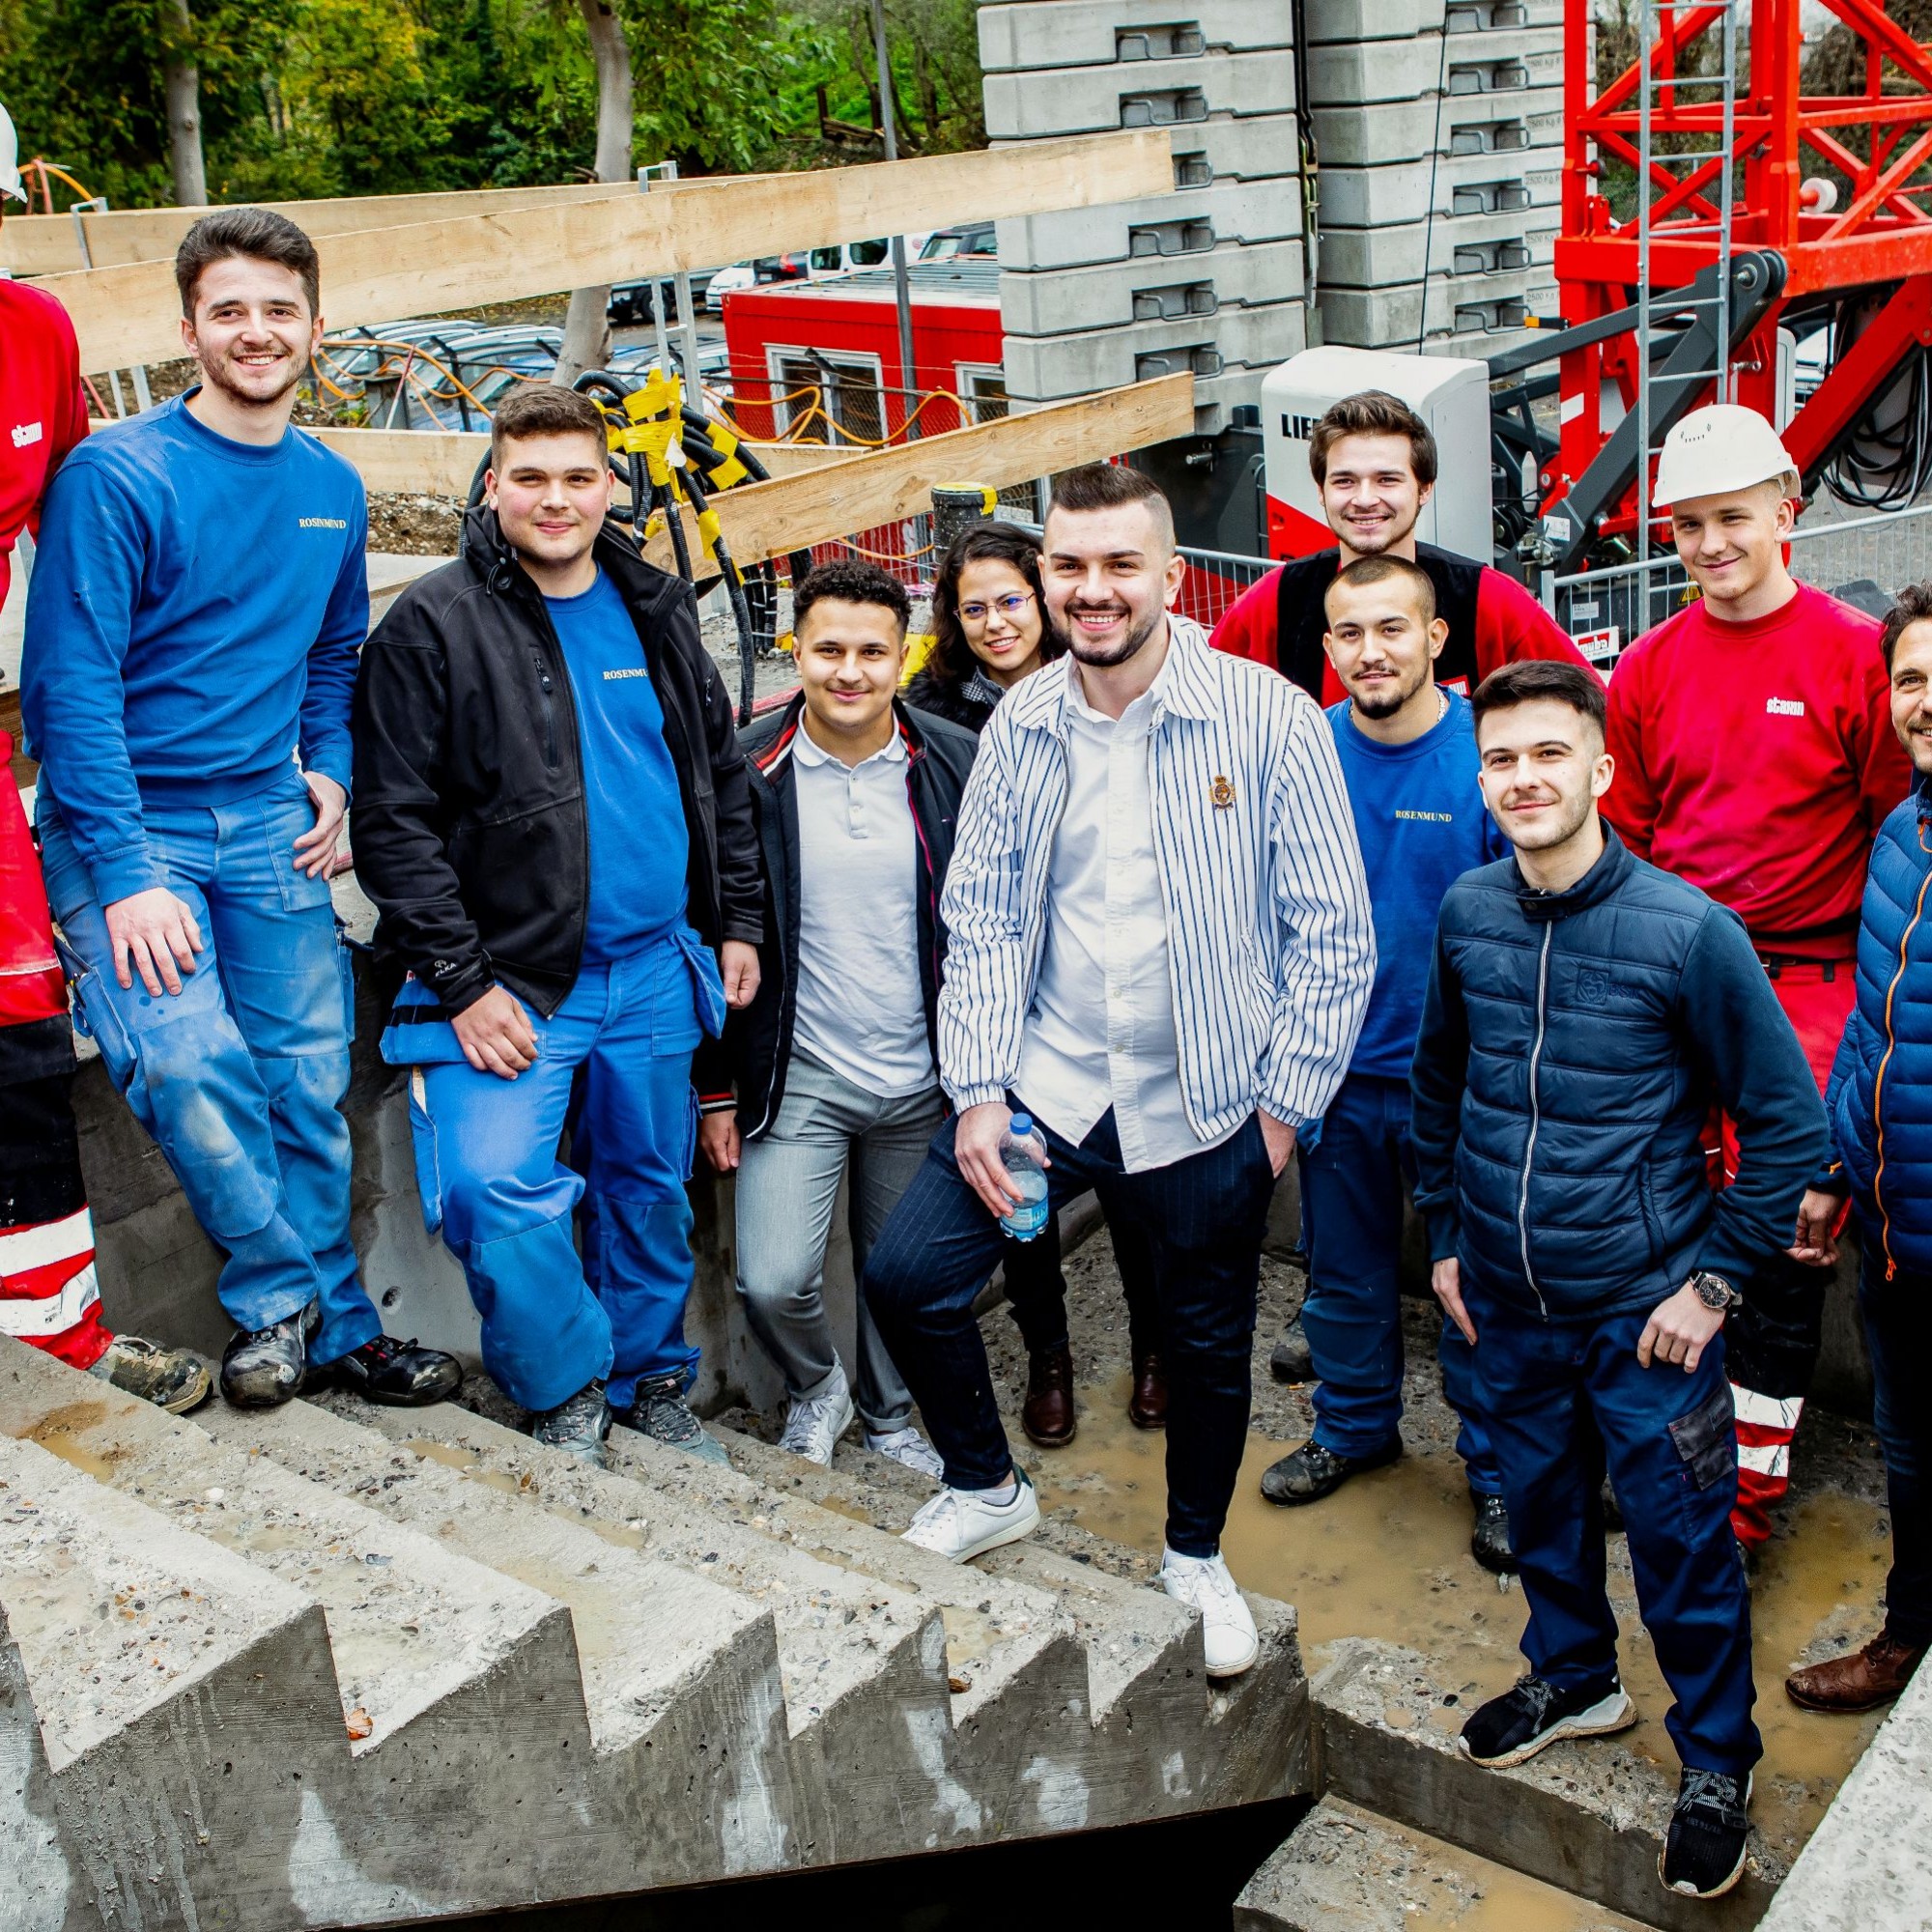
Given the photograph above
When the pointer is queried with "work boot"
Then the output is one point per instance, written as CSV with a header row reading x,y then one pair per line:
x,y
397,1375
1047,1414
1290,1361
1147,1406
579,1426
263,1368
659,1412
1704,1855
1531,1715
1307,1474
1490,1540
1861,1681
171,1378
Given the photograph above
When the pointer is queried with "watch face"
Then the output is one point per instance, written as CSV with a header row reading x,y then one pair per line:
x,y
1713,1290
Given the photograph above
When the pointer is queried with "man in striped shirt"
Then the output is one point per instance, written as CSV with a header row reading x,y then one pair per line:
x,y
1160,946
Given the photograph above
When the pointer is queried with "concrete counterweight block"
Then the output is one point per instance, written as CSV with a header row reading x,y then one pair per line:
x,y
1508,243
1093,33
1155,94
1459,66
1330,20
1041,367
1151,289
1351,136
1174,225
1486,182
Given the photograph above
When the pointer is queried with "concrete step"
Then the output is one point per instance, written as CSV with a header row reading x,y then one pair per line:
x,y
37,1877
1588,1816
1344,1869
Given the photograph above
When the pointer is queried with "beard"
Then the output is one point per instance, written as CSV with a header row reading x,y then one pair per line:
x,y
1556,827
1105,657
223,375
1386,702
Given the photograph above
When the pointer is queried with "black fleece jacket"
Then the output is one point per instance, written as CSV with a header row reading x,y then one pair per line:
x,y
470,830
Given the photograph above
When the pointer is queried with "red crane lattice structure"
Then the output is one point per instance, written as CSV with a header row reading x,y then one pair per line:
x,y
1875,147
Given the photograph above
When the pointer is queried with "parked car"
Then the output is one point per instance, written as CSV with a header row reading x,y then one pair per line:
x,y
793,267
637,301
971,242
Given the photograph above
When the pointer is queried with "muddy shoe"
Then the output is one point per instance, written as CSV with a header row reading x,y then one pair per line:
x,y
1861,1681
1307,1474
1490,1540
578,1427
170,1378
398,1374
1047,1414
1513,1728
1147,1406
659,1412
1290,1361
908,1448
263,1368
1704,1855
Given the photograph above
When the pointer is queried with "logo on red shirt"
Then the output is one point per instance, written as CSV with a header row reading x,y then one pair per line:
x,y
26,433
1785,707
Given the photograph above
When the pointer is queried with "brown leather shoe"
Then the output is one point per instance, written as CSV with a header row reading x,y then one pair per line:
x,y
1861,1681
1047,1415
1146,1408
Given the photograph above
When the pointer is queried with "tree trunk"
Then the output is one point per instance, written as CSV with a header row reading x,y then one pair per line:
x,y
182,85
587,335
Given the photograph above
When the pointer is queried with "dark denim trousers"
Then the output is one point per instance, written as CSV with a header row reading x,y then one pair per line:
x,y
1898,1325
1562,1397
1200,1223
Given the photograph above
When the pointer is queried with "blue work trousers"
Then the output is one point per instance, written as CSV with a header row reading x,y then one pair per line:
x,y
239,1075
1563,1396
1200,1220
1351,1191
490,1176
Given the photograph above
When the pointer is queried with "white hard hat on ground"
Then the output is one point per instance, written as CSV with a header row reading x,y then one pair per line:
x,y
10,159
1720,447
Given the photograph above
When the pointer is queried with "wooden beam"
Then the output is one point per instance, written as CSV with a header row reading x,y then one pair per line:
x,y
131,314
411,462
859,492
47,245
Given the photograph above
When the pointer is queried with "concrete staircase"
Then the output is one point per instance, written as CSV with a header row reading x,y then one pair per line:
x,y
338,1665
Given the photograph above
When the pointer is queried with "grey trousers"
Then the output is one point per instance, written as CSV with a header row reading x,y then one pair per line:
x,y
788,1191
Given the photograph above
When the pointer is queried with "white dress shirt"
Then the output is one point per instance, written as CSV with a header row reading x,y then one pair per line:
x,y
1101,1032
860,1010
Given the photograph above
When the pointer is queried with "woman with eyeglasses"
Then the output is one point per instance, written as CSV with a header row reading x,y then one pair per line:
x,y
989,624
989,630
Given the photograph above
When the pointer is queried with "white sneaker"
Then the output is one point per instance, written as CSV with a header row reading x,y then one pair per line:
x,y
958,1523
813,1429
1228,1631
908,1446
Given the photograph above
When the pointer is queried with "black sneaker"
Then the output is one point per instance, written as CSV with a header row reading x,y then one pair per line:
x,y
1490,1540
1704,1855
399,1375
579,1426
1290,1361
263,1368
659,1412
1513,1728
1307,1474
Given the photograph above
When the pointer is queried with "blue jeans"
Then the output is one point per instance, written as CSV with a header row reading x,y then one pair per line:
x,y
238,1077
1562,1397
1898,1326
1352,1190
1200,1220
488,1171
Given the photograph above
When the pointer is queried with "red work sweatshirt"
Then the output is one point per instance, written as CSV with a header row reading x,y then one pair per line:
x,y
1757,760
42,410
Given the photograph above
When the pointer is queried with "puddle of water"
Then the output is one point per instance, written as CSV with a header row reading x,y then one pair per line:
x,y
1387,1557
1509,1902
58,1433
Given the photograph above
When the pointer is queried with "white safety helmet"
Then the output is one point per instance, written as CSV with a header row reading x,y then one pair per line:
x,y
1719,448
10,159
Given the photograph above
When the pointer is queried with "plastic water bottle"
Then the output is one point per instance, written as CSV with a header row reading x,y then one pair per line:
x,y
1023,1154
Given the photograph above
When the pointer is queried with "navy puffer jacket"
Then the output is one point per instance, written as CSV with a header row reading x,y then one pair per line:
x,y
1572,1045
1881,1093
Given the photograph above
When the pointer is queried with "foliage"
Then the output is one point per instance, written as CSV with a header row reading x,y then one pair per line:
x,y
310,98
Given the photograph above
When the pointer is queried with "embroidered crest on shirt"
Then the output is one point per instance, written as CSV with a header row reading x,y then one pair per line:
x,y
1222,792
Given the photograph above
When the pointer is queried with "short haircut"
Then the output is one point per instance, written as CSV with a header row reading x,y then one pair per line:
x,y
1913,607
1369,570
852,579
542,409
257,234
1107,486
1530,679
1373,412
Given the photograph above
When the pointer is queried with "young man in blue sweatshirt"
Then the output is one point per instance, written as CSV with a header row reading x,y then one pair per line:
x,y
1409,752
196,607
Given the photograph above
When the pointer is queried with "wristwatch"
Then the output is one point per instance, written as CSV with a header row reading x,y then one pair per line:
x,y
1715,1292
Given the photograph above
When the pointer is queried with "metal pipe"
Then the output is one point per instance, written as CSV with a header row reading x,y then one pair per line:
x,y
901,281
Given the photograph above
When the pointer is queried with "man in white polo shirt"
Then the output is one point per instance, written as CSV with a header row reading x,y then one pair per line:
x,y
832,1065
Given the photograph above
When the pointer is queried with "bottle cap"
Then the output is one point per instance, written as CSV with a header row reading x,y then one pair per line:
x,y
1020,1124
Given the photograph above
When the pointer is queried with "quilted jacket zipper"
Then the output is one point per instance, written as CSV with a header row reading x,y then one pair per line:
x,y
1535,1115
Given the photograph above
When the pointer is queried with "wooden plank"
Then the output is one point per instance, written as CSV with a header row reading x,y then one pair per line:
x,y
859,492
131,314
47,245
413,462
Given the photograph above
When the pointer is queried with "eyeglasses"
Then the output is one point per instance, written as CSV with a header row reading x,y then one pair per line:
x,y
1009,607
